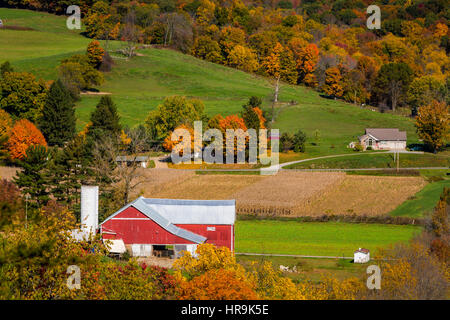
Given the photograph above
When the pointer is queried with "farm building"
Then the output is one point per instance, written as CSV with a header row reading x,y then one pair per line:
x,y
361,256
149,226
382,139
142,161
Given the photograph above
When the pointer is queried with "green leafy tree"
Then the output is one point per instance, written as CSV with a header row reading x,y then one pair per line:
x,y
77,73
422,91
32,179
392,83
57,122
5,67
299,141
21,95
173,112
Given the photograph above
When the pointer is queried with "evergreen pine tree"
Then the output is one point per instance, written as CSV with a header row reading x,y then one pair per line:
x,y
104,120
57,123
249,115
68,169
33,178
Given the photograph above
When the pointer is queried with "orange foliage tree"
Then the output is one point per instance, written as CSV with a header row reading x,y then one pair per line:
x,y
23,135
333,85
95,53
170,144
306,64
217,284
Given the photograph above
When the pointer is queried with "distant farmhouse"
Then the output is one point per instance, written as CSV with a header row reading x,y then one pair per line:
x,y
382,139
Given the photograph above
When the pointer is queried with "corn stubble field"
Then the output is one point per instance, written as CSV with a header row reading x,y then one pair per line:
x,y
287,193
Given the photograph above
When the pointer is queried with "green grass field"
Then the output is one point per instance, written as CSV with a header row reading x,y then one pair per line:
x,y
316,238
140,84
311,269
375,160
423,202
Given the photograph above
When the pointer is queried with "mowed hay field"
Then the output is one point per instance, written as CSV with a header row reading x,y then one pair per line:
x,y
8,172
288,194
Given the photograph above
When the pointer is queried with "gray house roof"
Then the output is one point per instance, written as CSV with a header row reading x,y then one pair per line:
x,y
386,134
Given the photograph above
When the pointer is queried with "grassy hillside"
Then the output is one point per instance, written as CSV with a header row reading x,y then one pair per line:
x,y
139,85
375,160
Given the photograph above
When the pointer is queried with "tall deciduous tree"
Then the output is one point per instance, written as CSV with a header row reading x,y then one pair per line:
x,y
21,95
23,135
95,53
57,122
432,124
392,82
333,85
173,112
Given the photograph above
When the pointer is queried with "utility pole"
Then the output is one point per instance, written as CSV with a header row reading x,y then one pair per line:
x,y
27,196
398,155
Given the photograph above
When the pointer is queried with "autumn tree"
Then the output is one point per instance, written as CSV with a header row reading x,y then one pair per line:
x,y
57,122
208,49
5,129
95,53
333,85
21,95
23,135
243,58
432,124
280,65
217,284
307,59
170,144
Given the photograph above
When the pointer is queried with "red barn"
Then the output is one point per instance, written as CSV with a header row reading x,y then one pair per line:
x,y
146,224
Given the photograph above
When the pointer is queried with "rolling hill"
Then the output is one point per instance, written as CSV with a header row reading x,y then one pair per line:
x,y
140,84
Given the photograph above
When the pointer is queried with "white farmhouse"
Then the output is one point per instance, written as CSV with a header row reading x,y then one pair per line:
x,y
361,256
382,139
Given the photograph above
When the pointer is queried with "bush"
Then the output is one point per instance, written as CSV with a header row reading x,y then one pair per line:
x,y
358,147
299,141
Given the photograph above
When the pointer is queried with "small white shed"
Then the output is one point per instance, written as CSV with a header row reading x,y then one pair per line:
x,y
361,256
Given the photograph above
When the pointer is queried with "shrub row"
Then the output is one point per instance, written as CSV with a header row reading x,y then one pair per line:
x,y
352,218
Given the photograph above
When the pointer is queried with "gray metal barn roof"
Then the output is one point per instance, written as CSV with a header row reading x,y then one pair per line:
x,y
168,212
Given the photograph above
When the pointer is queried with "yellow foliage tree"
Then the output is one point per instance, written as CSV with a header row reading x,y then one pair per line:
x,y
243,58
432,124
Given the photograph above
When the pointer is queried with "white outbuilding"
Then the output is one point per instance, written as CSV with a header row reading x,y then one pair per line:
x,y
361,256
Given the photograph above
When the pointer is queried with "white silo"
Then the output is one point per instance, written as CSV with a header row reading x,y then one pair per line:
x,y
89,209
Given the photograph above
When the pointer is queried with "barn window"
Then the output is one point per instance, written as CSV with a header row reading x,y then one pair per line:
x,y
210,228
